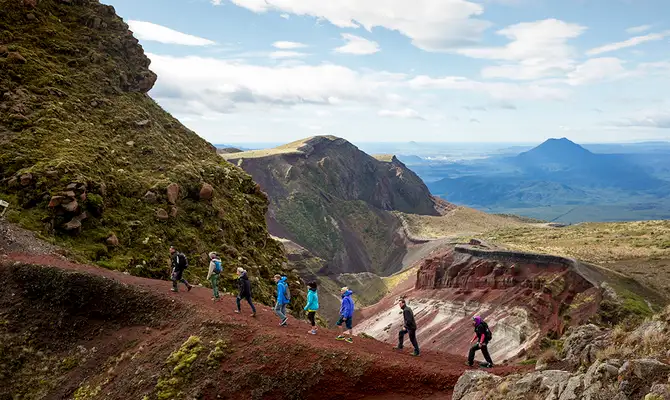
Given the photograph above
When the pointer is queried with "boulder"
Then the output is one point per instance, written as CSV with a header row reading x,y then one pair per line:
x,y
661,391
112,240
56,201
206,192
70,194
636,375
581,344
16,58
573,389
26,179
71,186
471,381
173,211
71,206
73,225
172,193
162,214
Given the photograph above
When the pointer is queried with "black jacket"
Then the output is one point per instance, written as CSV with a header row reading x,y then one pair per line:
x,y
175,261
483,330
244,285
408,315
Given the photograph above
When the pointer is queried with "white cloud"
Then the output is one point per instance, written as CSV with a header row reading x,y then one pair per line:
x,y
288,45
537,50
357,45
597,70
157,33
198,85
433,25
287,54
406,113
647,119
628,43
285,16
497,90
638,29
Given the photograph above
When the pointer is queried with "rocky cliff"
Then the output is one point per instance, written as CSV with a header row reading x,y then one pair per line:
x,y
526,298
93,163
337,201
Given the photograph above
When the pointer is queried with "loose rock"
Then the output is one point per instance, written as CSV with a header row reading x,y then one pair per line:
x,y
173,193
112,240
206,192
162,214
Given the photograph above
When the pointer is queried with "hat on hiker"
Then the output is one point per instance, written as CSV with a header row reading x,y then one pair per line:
x,y
477,319
212,255
312,285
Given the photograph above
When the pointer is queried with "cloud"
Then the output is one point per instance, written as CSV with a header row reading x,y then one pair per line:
x,y
357,45
536,50
432,25
638,29
406,113
288,45
648,119
285,16
597,70
497,90
157,33
637,40
475,121
200,85
287,54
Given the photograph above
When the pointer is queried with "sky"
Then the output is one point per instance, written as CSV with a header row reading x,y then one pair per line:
x,y
243,71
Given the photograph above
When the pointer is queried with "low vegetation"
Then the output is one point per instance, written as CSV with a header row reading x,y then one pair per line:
x,y
460,222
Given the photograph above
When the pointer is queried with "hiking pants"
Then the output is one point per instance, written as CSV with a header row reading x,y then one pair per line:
x,y
248,299
177,276
412,338
485,352
214,280
311,316
280,310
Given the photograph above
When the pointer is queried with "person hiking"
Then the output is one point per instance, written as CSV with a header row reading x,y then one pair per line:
x,y
409,327
214,273
283,298
179,264
483,336
312,306
245,291
346,315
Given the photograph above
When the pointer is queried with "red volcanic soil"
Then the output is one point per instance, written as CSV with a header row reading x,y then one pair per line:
x,y
130,314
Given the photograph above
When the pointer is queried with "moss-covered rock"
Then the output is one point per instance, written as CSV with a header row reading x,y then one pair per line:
x,y
78,132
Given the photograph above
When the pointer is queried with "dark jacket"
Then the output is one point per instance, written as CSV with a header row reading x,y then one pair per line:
x,y
244,285
175,261
483,333
408,315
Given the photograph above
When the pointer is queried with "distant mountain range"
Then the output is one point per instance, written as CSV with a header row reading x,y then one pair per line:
x,y
559,172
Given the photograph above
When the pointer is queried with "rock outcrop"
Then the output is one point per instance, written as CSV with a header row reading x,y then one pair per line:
x,y
337,201
86,152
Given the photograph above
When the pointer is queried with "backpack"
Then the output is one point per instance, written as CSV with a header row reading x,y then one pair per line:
x,y
217,266
183,262
287,292
488,335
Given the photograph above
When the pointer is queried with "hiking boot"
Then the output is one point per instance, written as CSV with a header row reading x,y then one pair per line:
x,y
349,340
487,365
468,364
311,332
174,290
284,321
236,311
397,348
340,337
415,353
189,287
253,315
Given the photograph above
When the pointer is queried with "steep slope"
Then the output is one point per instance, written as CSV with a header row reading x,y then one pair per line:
x,y
91,162
336,201
525,297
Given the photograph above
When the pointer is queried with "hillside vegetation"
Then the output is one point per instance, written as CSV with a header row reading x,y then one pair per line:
x,y
94,164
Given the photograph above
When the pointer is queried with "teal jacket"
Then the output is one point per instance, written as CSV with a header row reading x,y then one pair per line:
x,y
312,300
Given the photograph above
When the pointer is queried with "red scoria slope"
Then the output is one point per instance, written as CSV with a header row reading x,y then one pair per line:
x,y
116,336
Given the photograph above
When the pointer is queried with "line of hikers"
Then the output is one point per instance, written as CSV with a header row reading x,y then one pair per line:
x,y
481,339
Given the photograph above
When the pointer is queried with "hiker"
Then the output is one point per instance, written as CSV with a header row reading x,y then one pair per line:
x,y
483,336
245,291
179,264
312,306
214,273
346,315
409,327
283,298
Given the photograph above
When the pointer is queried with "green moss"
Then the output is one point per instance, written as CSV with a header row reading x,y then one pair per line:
x,y
87,392
220,351
69,363
180,362
531,361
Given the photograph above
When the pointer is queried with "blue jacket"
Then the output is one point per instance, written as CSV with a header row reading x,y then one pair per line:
x,y
347,308
281,289
312,300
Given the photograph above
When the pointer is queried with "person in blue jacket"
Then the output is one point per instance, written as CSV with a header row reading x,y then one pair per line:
x,y
346,315
283,298
312,306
